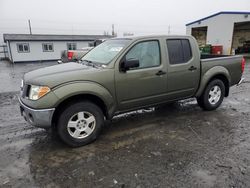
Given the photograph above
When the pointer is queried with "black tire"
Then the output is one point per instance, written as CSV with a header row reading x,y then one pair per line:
x,y
83,107
206,102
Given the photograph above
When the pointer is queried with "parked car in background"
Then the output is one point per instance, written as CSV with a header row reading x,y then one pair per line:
x,y
122,75
73,55
76,55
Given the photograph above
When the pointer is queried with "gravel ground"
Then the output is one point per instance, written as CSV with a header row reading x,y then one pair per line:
x,y
174,146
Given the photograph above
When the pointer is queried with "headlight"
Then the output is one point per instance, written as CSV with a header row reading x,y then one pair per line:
x,y
36,92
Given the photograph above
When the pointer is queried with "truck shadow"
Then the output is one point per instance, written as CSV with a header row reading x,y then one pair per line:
x,y
129,123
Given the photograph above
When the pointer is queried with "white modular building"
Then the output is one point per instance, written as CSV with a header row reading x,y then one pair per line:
x,y
231,30
26,47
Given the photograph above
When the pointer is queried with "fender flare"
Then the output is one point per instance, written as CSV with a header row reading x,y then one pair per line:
x,y
71,89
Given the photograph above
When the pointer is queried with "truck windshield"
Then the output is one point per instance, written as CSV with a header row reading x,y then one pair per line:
x,y
105,52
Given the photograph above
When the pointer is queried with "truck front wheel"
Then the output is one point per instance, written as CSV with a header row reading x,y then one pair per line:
x,y
212,96
80,123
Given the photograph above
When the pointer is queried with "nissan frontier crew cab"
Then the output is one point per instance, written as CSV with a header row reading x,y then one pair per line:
x,y
121,75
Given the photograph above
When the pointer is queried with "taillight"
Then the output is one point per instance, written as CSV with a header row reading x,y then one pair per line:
x,y
243,63
70,55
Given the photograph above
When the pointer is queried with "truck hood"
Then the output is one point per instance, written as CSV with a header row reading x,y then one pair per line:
x,y
62,73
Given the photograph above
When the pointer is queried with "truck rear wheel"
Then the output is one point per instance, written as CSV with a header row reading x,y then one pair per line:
x,y
212,96
80,123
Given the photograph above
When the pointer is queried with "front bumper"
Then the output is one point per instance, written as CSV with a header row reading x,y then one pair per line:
x,y
37,117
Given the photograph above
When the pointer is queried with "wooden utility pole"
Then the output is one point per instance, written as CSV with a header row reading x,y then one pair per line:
x,y
30,27
113,30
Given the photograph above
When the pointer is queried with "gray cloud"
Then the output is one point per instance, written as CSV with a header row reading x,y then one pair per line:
x,y
95,16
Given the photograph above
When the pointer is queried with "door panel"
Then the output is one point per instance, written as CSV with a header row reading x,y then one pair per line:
x,y
183,70
140,88
146,84
182,82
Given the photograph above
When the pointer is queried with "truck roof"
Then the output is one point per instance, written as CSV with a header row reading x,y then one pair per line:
x,y
152,36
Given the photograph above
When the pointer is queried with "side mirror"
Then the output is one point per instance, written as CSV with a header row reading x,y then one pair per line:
x,y
129,64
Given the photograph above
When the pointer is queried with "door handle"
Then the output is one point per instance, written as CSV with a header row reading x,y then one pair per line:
x,y
192,68
160,72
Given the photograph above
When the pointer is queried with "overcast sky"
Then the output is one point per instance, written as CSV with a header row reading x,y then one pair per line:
x,y
140,17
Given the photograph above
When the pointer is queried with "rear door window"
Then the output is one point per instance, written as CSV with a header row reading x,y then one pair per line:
x,y
179,51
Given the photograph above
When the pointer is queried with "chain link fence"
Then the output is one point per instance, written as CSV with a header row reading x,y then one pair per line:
x,y
4,52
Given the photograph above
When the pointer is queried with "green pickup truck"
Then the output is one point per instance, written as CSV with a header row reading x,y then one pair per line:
x,y
121,75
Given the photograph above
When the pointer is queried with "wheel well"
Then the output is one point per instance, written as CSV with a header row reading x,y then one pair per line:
x,y
96,100
224,80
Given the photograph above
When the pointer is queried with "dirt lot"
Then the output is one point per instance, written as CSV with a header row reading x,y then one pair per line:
x,y
175,146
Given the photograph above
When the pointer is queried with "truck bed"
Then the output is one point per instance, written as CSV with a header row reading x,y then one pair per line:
x,y
226,61
209,56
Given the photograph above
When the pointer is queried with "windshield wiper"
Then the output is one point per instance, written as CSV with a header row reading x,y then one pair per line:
x,y
90,63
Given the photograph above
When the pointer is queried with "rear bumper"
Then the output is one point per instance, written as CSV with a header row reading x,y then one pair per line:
x,y
240,82
37,117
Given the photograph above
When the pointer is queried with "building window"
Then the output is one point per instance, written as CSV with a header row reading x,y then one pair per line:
x,y
23,48
48,47
179,51
71,46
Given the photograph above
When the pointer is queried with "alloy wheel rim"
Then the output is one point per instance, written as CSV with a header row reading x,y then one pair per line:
x,y
81,125
214,95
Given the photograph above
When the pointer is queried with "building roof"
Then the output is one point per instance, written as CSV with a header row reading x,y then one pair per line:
x,y
216,14
36,37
